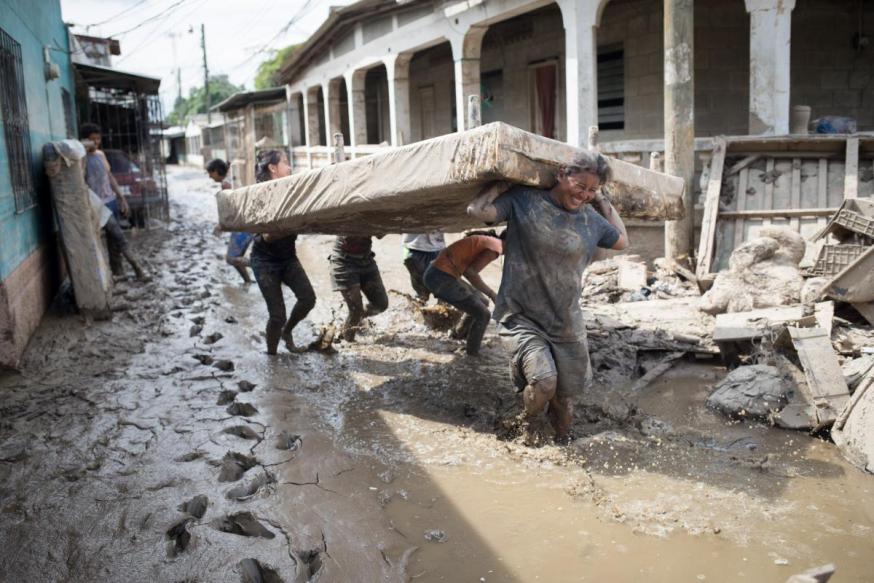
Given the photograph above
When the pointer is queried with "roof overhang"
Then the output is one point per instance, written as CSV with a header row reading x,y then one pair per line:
x,y
244,98
108,78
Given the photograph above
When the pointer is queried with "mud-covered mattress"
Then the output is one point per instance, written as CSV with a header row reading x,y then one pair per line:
x,y
428,185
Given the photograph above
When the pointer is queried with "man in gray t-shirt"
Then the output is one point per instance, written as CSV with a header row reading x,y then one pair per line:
x,y
551,238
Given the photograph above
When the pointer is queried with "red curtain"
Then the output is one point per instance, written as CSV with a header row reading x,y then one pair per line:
x,y
545,83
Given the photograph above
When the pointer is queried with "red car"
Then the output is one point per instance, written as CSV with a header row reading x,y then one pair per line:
x,y
139,190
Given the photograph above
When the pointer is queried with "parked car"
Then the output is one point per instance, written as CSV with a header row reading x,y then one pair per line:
x,y
139,190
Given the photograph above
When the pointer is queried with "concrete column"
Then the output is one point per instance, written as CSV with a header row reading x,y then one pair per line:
x,y
332,106
679,30
397,68
311,115
328,97
355,97
466,49
294,129
250,138
770,47
581,68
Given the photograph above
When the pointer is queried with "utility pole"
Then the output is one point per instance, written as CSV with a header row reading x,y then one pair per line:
x,y
205,74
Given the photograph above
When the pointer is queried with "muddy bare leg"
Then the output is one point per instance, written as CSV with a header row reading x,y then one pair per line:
x,y
296,278
536,395
355,304
560,416
135,263
377,298
240,264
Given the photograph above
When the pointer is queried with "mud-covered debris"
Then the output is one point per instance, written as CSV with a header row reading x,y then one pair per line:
x,y
234,465
246,386
189,457
205,359
435,535
231,320
751,391
289,441
198,320
324,342
242,524
242,431
196,507
225,365
820,574
242,409
312,562
226,396
250,488
213,338
195,330
386,477
251,571
180,537
439,317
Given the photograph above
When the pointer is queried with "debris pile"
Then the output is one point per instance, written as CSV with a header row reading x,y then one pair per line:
x,y
626,278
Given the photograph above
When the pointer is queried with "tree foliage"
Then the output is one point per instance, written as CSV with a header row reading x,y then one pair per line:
x,y
220,88
266,76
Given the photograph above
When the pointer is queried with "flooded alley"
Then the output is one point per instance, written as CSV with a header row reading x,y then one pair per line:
x,y
165,445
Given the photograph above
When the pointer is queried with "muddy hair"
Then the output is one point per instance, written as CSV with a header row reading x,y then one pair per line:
x,y
589,163
218,166
490,233
263,161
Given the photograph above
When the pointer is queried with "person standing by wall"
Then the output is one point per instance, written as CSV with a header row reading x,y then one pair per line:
x,y
219,170
98,176
551,238
274,262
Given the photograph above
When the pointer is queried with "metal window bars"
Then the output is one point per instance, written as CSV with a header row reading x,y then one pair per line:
x,y
15,123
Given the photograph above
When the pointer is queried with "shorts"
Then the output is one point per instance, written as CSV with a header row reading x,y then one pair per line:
x,y
535,357
239,243
349,272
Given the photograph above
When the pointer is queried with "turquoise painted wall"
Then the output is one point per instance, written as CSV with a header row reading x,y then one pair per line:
x,y
34,24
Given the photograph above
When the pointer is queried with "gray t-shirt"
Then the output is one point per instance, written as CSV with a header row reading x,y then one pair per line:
x,y
547,248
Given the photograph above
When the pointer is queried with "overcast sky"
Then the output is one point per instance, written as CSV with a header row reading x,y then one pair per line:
x,y
239,34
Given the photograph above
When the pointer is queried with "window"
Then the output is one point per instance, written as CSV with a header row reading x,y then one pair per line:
x,y
15,124
69,120
611,88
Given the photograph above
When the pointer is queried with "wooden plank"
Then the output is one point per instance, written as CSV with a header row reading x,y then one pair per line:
x,y
825,381
768,203
741,203
745,163
851,169
824,313
753,324
867,310
707,242
631,275
778,213
795,190
822,189
655,372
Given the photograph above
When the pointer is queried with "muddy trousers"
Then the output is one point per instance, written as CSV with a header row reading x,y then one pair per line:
x,y
117,246
463,297
354,277
416,263
270,274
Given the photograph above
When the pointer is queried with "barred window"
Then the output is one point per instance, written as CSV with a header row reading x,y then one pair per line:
x,y
611,88
16,128
69,119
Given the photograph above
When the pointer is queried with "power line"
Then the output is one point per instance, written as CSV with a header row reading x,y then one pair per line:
x,y
297,16
163,14
149,37
111,18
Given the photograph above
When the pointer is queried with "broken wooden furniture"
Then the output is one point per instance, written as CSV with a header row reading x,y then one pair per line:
x,y
796,181
738,333
428,185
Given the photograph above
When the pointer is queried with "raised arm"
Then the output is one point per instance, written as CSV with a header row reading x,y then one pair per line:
x,y
609,212
477,281
481,208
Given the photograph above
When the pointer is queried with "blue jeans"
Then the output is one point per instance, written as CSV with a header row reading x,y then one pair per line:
x,y
464,297
416,263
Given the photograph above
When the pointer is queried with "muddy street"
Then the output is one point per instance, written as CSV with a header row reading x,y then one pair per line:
x,y
164,445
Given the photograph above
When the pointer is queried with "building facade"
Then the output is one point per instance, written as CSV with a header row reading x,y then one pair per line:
x,y
37,92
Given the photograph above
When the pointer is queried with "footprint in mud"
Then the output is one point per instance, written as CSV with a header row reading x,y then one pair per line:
x,y
197,320
242,431
251,571
246,386
242,524
196,507
242,409
203,358
226,397
189,457
225,365
234,465
195,330
312,562
245,491
180,537
231,320
213,338
286,440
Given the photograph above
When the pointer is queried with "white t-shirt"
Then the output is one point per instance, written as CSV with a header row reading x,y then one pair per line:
x,y
430,242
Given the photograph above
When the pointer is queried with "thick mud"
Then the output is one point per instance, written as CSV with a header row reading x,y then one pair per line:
x,y
166,446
